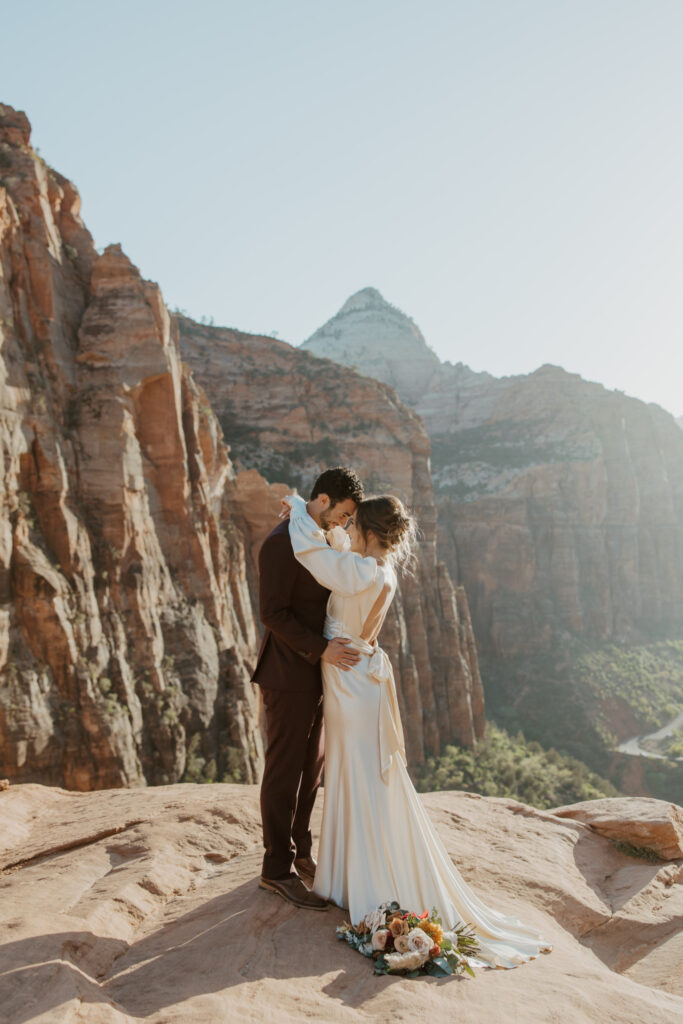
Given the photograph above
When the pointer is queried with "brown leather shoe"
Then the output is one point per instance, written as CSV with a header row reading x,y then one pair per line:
x,y
306,867
294,891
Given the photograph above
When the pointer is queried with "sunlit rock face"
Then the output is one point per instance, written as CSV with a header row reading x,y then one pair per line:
x,y
139,905
126,625
289,415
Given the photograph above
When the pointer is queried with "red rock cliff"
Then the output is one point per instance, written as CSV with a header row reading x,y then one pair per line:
x,y
561,506
126,627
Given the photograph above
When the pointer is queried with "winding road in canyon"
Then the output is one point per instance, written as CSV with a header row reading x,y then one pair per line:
x,y
633,746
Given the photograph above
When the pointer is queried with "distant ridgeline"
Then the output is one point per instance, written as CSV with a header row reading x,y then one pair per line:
x,y
560,508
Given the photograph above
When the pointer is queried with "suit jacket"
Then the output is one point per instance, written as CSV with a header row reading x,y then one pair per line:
x,y
292,607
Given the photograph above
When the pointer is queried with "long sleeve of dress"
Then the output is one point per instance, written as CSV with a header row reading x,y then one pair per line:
x,y
344,572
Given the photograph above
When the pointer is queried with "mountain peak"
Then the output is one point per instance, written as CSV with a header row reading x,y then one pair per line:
x,y
380,341
366,298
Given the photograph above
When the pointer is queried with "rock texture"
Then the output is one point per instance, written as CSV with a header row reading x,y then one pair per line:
x,y
289,415
126,626
137,905
653,824
565,502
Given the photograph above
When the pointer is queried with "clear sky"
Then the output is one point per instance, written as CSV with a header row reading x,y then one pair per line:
x,y
508,172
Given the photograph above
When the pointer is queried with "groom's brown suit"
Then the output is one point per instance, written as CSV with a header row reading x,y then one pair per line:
x,y
292,608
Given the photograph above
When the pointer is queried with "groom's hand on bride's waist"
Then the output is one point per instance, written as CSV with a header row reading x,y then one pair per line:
x,y
340,654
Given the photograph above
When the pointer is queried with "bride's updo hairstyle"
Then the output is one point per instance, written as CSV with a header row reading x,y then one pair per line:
x,y
392,525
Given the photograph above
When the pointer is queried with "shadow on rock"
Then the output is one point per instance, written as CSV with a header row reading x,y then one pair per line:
x,y
40,973
243,936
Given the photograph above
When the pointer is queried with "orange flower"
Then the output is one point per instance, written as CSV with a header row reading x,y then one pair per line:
x,y
435,931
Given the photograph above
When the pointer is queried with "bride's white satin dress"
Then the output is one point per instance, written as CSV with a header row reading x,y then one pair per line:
x,y
376,841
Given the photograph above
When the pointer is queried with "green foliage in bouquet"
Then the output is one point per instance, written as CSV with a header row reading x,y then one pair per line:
x,y
403,942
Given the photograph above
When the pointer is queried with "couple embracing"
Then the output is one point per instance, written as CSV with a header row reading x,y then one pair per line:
x,y
328,575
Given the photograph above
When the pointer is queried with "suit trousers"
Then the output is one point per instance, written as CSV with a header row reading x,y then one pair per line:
x,y
292,774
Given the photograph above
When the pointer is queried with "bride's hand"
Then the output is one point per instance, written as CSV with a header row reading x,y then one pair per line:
x,y
285,510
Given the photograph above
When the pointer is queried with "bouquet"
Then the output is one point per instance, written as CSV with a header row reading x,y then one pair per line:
x,y
402,942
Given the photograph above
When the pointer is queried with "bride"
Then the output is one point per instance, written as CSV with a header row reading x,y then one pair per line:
x,y
376,841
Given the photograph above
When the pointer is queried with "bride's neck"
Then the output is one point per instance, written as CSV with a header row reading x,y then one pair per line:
x,y
376,551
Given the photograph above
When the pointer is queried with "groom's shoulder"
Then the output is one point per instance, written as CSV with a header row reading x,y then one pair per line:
x,y
277,547
278,538
281,530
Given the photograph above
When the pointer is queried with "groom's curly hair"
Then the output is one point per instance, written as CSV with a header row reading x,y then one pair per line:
x,y
338,484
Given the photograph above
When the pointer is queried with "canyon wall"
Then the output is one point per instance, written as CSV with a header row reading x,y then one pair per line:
x,y
561,506
126,626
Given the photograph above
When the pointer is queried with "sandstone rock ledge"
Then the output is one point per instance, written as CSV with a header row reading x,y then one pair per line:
x,y
130,905
654,824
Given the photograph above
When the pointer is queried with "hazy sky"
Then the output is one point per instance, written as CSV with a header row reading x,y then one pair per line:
x,y
508,172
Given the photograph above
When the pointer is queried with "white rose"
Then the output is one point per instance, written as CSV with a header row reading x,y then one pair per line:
x,y
401,943
419,941
406,961
379,938
374,920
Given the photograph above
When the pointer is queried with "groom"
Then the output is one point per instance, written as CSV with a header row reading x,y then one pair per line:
x,y
292,607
